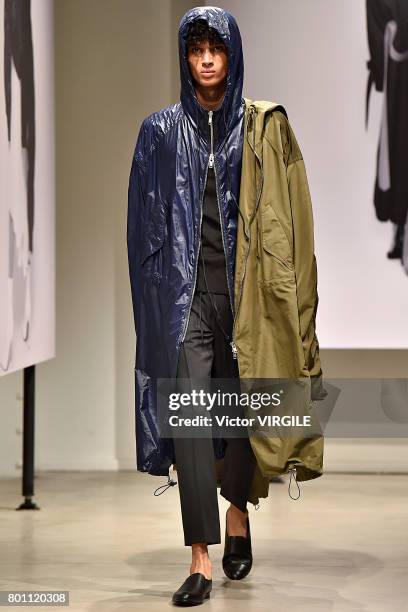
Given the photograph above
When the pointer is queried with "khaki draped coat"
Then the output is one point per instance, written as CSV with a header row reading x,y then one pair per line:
x,y
276,292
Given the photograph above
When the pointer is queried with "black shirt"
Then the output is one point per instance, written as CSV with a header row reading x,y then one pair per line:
x,y
211,244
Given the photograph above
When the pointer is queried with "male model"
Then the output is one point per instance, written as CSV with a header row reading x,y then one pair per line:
x,y
183,213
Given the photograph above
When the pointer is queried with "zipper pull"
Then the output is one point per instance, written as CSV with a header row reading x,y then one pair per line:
x,y
211,158
234,350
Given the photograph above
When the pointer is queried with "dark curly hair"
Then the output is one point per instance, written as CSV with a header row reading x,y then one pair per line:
x,y
199,30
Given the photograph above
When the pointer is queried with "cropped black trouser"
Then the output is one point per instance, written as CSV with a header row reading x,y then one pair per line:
x,y
206,353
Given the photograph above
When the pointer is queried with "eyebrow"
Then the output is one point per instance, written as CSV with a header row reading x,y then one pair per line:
x,y
214,44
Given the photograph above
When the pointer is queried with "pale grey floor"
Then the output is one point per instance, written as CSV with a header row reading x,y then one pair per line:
x,y
104,537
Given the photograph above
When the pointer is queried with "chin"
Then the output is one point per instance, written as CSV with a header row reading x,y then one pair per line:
x,y
213,81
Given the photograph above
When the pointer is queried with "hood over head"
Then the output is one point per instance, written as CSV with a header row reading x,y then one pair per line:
x,y
231,109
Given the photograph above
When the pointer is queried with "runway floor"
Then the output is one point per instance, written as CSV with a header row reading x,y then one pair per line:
x,y
104,537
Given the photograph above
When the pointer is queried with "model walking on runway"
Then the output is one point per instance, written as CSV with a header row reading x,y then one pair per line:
x,y
187,240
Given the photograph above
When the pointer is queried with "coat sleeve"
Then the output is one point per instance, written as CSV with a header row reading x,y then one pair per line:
x,y
135,215
304,258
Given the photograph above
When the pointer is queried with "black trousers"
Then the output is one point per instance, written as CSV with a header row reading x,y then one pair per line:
x,y
206,353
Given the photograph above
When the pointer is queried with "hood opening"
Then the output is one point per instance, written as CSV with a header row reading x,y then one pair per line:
x,y
226,26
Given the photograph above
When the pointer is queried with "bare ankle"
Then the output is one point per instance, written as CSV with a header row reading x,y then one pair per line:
x,y
237,513
236,521
200,561
200,548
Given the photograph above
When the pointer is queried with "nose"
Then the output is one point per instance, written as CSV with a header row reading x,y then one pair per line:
x,y
207,58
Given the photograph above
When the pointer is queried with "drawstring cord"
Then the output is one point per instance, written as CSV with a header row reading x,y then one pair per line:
x,y
293,474
170,483
201,319
227,166
251,114
217,314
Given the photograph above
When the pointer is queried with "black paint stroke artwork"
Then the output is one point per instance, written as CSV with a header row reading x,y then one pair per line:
x,y
387,29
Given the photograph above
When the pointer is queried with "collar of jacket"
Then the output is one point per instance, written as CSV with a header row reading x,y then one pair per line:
x,y
256,114
221,128
256,127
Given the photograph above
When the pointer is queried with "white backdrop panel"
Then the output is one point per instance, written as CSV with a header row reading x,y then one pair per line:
x,y
27,271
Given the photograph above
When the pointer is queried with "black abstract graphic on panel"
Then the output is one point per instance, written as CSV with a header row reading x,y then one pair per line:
x,y
20,112
387,28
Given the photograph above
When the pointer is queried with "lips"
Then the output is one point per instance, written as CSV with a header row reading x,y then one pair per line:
x,y
208,72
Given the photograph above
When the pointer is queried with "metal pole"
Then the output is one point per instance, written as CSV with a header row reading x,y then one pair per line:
x,y
28,439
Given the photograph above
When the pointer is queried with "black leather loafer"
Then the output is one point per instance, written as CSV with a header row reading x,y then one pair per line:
x,y
237,559
194,590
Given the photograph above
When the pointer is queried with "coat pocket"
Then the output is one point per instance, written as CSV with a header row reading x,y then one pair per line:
x,y
276,259
151,259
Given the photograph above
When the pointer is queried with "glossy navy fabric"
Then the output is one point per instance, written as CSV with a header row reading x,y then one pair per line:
x,y
166,188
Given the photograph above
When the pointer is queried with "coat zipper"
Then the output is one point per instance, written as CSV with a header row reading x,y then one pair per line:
x,y
233,345
212,165
209,165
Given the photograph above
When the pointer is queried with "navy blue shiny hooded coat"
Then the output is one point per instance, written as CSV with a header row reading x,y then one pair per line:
x,y
165,196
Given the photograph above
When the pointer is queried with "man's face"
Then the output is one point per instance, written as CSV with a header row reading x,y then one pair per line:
x,y
208,63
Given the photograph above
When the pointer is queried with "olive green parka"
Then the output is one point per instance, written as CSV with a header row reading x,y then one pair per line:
x,y
276,292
